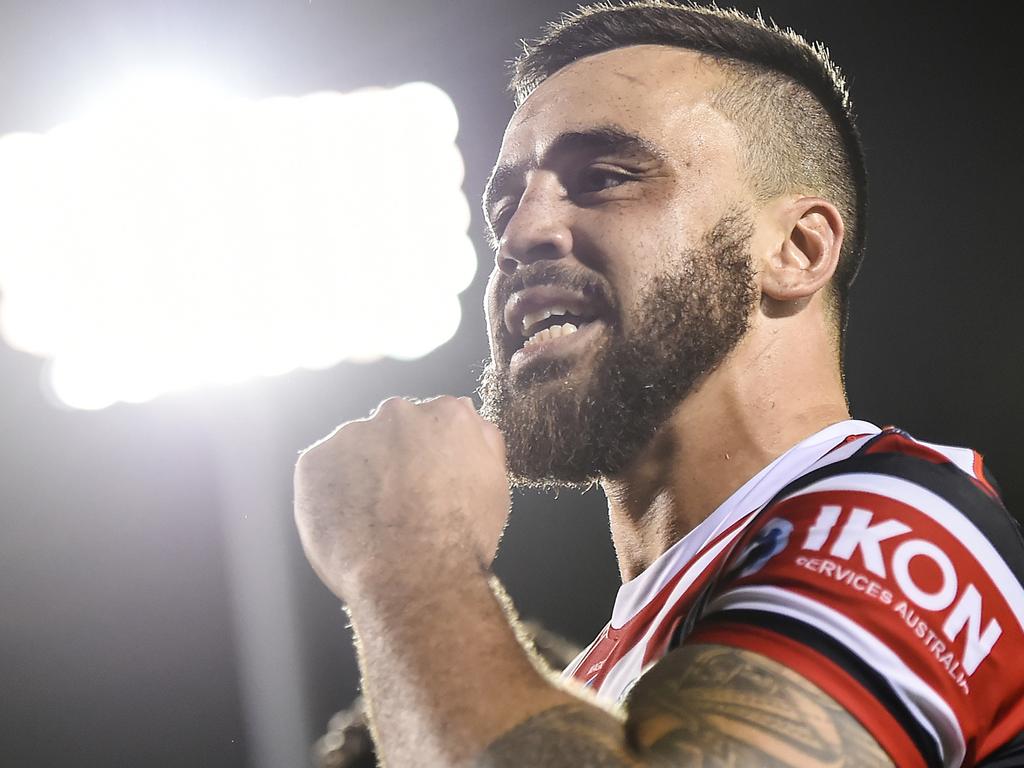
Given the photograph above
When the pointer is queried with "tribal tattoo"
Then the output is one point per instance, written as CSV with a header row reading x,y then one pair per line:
x,y
705,706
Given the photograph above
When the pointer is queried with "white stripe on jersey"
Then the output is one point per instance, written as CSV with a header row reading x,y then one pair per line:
x,y
961,457
624,674
570,670
942,512
921,700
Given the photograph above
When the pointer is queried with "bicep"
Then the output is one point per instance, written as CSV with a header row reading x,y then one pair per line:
x,y
713,705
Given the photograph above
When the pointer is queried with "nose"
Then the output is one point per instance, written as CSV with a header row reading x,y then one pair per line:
x,y
539,229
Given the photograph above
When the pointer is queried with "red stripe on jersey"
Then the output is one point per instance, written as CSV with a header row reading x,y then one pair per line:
x,y
826,675
657,646
1004,729
616,642
897,442
847,440
981,479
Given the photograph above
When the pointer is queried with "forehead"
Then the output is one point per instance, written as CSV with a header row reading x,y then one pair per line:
x,y
657,92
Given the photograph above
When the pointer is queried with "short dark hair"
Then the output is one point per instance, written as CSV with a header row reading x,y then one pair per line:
x,y
785,95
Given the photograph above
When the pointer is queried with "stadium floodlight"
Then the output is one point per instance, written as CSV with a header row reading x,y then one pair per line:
x,y
177,238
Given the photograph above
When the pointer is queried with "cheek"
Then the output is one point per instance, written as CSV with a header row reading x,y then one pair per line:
x,y
631,250
629,289
494,315
492,312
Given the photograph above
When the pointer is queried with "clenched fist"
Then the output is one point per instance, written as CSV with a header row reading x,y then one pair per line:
x,y
404,490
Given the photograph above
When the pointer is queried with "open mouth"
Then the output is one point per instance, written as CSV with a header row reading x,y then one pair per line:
x,y
550,322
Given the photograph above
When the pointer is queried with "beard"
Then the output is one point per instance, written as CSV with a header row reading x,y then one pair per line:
x,y
688,319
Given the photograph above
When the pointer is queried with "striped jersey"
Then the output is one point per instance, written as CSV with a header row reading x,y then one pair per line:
x,y
883,569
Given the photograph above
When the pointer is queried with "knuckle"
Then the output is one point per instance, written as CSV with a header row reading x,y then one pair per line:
x,y
446,408
429,403
390,405
311,456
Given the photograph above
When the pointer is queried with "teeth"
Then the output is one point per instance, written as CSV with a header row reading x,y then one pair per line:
x,y
536,317
553,332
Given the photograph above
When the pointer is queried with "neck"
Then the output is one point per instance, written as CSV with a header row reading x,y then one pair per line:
x,y
764,399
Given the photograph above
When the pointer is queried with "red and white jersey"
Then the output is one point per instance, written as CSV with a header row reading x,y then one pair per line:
x,y
883,569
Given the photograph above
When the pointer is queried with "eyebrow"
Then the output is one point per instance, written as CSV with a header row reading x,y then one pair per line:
x,y
605,139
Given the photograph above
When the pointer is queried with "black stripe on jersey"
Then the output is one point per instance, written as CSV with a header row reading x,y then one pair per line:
x,y
946,481
1010,755
870,680
991,480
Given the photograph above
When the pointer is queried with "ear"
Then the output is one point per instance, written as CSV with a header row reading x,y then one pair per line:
x,y
805,260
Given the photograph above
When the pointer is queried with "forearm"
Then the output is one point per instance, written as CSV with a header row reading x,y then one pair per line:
x,y
567,735
443,672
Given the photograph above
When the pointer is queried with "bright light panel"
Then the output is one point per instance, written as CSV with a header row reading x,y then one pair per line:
x,y
176,238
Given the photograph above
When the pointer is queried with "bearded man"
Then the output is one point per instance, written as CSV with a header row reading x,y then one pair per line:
x,y
677,212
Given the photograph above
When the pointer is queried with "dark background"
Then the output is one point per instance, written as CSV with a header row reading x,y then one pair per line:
x,y
118,645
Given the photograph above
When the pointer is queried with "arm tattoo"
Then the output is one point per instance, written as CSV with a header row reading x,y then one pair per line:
x,y
702,706
717,707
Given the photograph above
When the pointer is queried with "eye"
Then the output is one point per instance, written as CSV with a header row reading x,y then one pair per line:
x,y
598,179
499,218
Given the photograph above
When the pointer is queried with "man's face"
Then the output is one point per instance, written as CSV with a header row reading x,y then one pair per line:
x,y
622,268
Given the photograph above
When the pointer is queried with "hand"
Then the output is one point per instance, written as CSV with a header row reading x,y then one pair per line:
x,y
402,492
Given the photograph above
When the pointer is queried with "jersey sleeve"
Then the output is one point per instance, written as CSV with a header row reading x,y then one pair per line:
x,y
893,581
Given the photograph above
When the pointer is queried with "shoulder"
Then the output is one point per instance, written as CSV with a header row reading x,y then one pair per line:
x,y
895,453
892,578
931,488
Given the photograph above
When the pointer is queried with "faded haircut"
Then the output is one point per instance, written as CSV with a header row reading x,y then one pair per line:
x,y
786,97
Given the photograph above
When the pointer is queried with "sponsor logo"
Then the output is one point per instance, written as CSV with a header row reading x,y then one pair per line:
x,y
769,541
887,552
848,576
